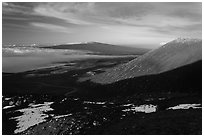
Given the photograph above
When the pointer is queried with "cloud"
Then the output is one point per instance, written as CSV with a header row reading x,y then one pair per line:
x,y
14,18
89,19
15,8
51,27
90,13
157,16
69,12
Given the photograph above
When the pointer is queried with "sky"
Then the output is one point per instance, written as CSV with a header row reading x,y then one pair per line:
x,y
136,24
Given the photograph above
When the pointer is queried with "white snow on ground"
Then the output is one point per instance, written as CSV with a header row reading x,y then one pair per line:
x,y
31,116
185,106
98,103
6,107
60,116
142,108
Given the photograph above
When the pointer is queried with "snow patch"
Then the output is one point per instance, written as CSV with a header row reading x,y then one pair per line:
x,y
31,116
185,106
6,107
98,103
142,108
60,116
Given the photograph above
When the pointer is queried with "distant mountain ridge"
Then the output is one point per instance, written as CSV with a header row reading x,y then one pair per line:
x,y
88,42
170,56
101,48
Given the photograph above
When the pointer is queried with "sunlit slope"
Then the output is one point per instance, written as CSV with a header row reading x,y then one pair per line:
x,y
172,55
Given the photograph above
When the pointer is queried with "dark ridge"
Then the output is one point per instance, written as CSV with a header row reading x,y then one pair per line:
x,y
186,79
101,48
6,73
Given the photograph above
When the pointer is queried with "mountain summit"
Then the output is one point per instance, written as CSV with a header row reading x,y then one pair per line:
x,y
101,48
170,56
84,43
185,40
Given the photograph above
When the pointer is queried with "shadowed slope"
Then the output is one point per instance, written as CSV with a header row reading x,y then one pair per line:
x,y
185,79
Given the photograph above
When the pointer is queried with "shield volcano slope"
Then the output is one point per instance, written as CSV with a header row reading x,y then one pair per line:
x,y
175,54
101,48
